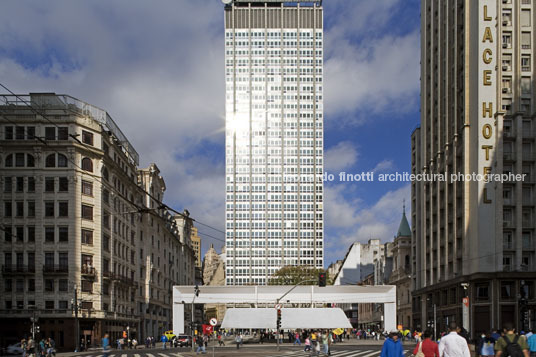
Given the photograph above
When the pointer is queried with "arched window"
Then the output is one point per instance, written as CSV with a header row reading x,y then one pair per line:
x,y
105,174
87,164
30,161
62,160
50,160
9,160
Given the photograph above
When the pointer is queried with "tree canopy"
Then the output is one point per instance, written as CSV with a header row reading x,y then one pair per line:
x,y
292,275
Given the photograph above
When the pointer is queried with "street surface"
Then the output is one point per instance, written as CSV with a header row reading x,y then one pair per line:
x,y
269,350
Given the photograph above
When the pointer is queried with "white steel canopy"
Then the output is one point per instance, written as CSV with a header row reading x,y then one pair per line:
x,y
314,318
249,318
268,295
291,318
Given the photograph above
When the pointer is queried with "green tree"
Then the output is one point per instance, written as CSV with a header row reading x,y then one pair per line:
x,y
292,275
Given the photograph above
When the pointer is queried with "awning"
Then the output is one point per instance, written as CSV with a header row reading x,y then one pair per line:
x,y
314,318
291,318
249,318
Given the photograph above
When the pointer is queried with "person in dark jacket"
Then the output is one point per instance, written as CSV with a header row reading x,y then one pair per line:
x,y
392,347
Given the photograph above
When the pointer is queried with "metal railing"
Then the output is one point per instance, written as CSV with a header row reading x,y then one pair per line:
x,y
18,269
39,101
58,269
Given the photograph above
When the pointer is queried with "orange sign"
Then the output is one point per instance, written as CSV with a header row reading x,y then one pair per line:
x,y
399,327
466,301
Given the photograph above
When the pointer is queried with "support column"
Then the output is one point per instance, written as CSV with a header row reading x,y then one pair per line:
x,y
178,318
389,316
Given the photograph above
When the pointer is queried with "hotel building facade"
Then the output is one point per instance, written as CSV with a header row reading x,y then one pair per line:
x,y
274,137
473,244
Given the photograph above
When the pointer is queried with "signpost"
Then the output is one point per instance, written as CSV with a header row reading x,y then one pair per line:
x,y
214,322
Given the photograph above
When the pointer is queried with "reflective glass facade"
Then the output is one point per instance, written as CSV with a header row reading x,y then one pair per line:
x,y
274,139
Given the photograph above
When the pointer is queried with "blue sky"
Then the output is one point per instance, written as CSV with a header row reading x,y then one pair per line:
x,y
157,68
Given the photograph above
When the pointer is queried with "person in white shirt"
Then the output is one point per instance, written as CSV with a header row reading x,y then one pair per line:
x,y
453,345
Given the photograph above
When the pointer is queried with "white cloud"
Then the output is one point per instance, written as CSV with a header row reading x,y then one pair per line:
x,y
368,69
384,166
354,222
340,156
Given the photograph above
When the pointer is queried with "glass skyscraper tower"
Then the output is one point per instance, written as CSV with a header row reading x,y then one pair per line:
x,y
274,137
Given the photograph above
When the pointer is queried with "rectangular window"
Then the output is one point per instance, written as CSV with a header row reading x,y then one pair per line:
x,y
526,85
87,212
20,233
19,132
31,208
63,285
8,210
87,260
87,137
63,184
49,184
525,63
19,285
20,304
19,184
525,18
49,285
87,286
31,184
49,259
63,234
9,133
63,259
49,304
62,304
8,184
31,234
87,305
8,285
49,234
30,132
106,243
63,209
31,286
50,133
49,208
63,133
19,208
87,188
31,261
87,237
525,40
19,159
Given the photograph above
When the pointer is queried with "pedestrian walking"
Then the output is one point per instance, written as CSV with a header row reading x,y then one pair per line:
x,y
307,347
297,339
531,341
511,344
200,345
426,348
453,345
106,345
392,347
238,341
164,339
485,345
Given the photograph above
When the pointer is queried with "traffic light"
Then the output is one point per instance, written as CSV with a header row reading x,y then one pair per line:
x,y
278,320
322,279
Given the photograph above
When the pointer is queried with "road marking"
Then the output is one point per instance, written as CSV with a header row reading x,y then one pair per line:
x,y
149,355
136,355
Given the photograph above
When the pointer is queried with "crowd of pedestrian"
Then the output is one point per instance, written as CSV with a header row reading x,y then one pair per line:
x,y
45,347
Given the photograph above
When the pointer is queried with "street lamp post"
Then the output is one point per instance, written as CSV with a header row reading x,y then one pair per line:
x,y
74,303
277,302
196,293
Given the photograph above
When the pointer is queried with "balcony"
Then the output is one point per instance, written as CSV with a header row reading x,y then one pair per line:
x,y
18,269
89,272
56,269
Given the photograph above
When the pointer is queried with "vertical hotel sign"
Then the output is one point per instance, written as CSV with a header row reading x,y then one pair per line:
x,y
487,86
